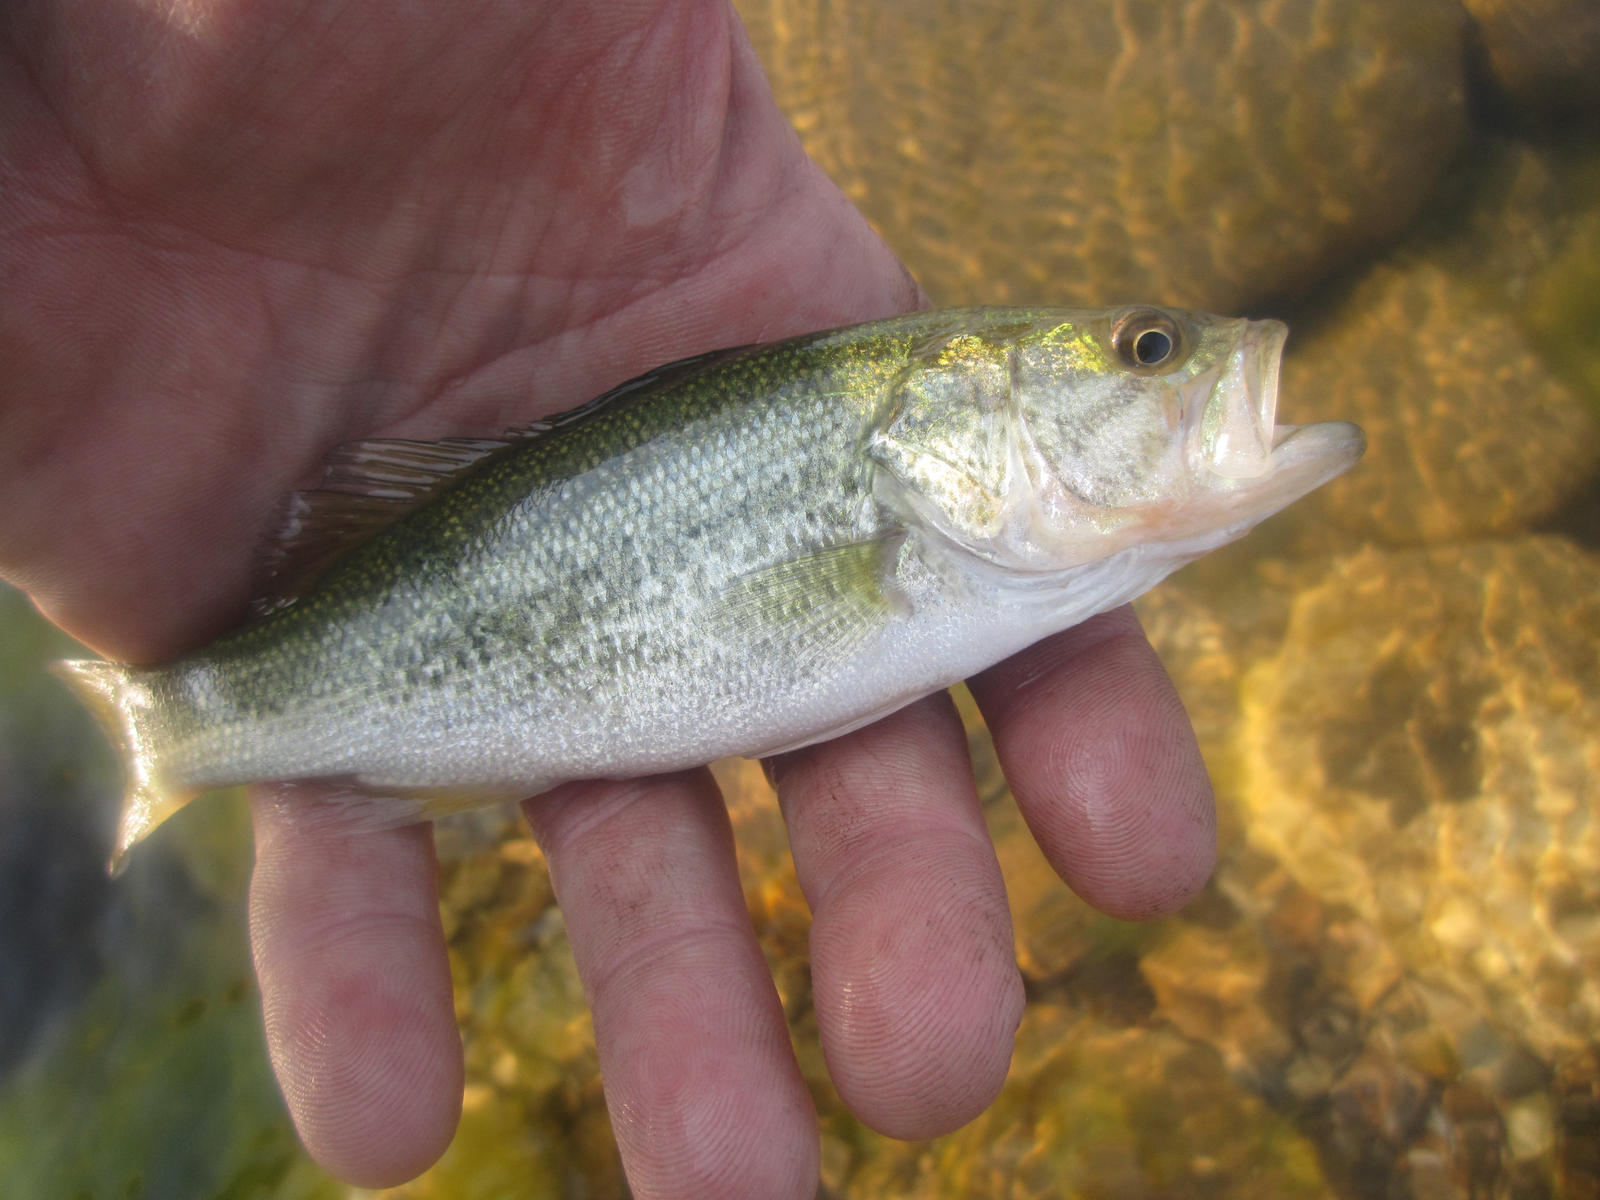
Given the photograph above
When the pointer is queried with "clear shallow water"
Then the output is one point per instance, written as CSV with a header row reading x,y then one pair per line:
x,y
1390,986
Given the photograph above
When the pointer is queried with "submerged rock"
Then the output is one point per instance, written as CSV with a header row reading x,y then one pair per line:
x,y
1097,1110
1422,752
1469,431
1400,946
1462,357
1543,55
1207,153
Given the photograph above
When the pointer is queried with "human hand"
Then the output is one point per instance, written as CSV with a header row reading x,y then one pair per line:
x,y
235,233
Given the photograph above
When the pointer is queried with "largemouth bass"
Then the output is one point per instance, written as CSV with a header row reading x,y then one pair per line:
x,y
739,553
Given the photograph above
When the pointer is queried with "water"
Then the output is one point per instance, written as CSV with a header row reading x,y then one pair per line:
x,y
1392,985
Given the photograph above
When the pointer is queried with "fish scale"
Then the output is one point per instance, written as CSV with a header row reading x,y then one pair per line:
x,y
743,552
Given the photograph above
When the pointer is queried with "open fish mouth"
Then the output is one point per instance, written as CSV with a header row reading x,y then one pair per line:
x,y
1263,353
1302,459
1262,460
1250,465
1307,456
1240,445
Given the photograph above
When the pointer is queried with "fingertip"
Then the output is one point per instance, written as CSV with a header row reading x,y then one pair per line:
x,y
372,1086
1136,833
1104,764
700,1078
914,974
356,994
918,1008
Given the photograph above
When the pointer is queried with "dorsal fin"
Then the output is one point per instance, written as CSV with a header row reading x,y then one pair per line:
x,y
396,469
657,379
368,486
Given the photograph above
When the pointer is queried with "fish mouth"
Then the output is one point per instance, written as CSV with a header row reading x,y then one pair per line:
x,y
1305,457
1264,464
1302,458
1248,466
1240,438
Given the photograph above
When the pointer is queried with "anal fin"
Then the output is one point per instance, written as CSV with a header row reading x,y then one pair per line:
x,y
353,805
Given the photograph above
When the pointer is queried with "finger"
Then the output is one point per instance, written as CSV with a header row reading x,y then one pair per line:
x,y
913,968
355,989
701,1082
1104,765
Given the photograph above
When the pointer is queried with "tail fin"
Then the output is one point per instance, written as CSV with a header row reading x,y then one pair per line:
x,y
124,707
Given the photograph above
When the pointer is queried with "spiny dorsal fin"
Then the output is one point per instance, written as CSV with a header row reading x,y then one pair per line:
x,y
657,379
368,486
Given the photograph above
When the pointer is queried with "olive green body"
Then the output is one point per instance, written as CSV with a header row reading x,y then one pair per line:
x,y
738,553
505,632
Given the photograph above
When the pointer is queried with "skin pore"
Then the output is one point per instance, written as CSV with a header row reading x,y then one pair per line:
x,y
235,233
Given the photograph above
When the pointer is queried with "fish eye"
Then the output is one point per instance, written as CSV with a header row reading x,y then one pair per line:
x,y
1146,340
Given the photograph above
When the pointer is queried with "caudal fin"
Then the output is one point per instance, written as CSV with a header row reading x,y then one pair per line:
x,y
124,707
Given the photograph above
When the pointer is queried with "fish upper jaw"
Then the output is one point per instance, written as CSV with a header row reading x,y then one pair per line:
x,y
1230,411
1239,455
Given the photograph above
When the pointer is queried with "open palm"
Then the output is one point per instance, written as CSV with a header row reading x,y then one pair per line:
x,y
234,233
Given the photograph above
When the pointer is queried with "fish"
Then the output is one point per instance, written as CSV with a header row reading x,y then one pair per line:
x,y
740,553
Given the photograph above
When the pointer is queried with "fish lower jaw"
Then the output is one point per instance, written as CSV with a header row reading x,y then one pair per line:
x,y
1184,549
1338,443
1303,458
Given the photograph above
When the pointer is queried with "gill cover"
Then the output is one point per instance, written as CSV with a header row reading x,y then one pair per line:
x,y
1033,444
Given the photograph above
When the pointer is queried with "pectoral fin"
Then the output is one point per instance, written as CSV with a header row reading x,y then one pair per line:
x,y
820,606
